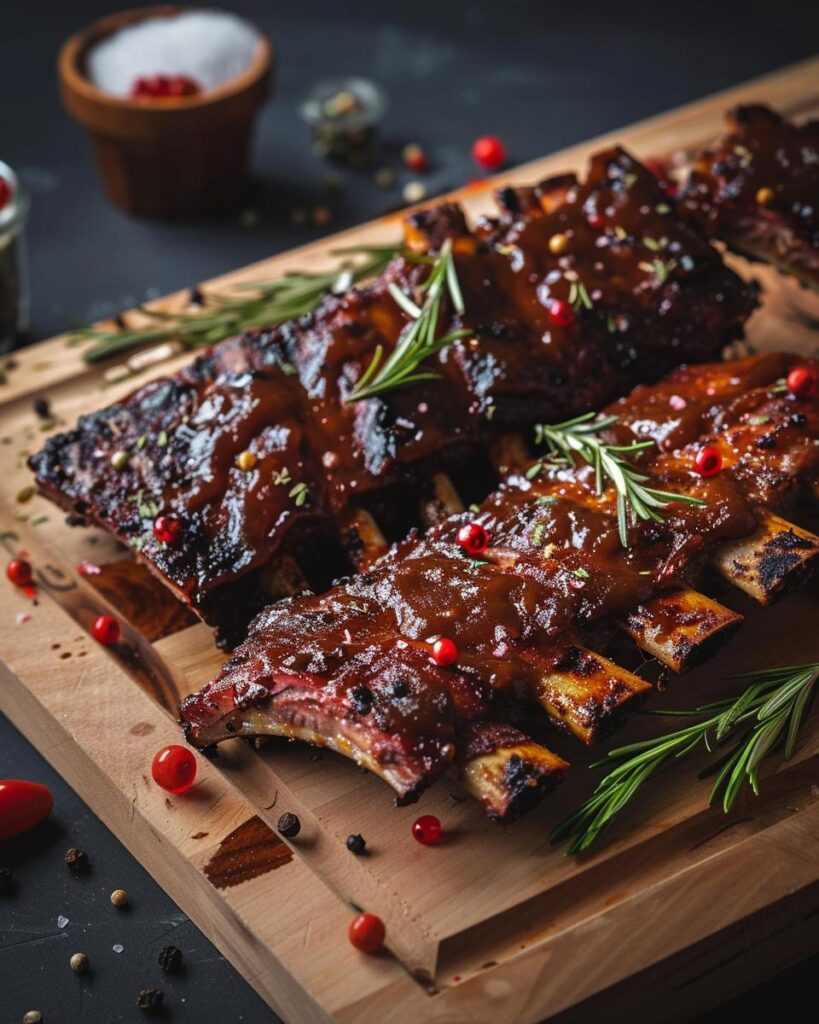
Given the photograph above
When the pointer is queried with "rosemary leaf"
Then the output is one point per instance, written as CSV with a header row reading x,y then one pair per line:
x,y
763,717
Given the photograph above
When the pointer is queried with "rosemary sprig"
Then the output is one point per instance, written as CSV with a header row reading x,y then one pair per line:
x,y
578,437
419,339
766,715
253,304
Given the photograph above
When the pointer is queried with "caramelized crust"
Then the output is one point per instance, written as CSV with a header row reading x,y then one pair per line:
x,y
519,614
648,292
757,190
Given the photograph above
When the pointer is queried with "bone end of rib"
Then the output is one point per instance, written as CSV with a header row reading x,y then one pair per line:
x,y
444,501
772,560
510,780
586,693
681,628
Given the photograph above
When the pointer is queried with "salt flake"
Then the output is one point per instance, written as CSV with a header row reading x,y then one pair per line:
x,y
62,921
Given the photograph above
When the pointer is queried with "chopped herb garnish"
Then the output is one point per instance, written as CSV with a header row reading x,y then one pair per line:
x,y
581,572
300,493
579,296
142,441
546,499
162,439
282,476
661,269
146,508
758,421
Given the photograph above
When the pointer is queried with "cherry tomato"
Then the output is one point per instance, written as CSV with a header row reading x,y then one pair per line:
x,y
174,768
105,630
19,572
22,806
367,933
489,152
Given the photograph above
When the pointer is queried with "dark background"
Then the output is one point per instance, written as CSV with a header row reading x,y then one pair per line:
x,y
542,75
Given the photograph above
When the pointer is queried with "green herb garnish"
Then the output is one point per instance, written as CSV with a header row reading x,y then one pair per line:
x,y
252,304
765,716
419,339
577,437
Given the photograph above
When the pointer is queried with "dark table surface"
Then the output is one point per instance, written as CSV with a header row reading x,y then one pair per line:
x,y
542,75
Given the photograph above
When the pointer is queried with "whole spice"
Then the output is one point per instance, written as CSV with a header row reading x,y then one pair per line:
x,y
6,879
426,830
489,152
708,461
802,381
119,898
105,630
367,933
170,958
356,844
444,651
174,768
19,572
42,408
80,963
289,825
76,860
120,459
150,999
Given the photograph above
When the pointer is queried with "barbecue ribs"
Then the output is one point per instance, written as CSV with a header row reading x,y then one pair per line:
x,y
354,670
757,190
640,291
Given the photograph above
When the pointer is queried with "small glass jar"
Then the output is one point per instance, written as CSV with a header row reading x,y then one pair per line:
x,y
13,277
344,114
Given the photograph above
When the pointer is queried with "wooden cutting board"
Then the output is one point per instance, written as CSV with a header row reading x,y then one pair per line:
x,y
494,924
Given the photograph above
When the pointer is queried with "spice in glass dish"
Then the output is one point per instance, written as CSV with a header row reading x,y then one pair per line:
x,y
173,58
13,290
344,114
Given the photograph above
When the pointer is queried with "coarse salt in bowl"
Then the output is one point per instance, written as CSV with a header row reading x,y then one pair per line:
x,y
211,47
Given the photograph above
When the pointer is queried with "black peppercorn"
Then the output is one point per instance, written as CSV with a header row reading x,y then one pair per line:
x,y
72,519
766,441
150,999
399,688
76,860
356,844
289,826
42,408
798,419
362,699
170,959
6,879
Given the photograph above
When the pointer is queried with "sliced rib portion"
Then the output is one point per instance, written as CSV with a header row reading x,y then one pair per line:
x,y
640,290
756,190
522,616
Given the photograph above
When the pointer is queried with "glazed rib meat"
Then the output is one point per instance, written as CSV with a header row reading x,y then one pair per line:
x,y
757,189
640,290
355,669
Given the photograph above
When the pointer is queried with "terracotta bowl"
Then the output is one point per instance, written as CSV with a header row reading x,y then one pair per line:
x,y
165,160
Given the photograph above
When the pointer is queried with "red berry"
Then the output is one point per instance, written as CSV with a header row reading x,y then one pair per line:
x,y
22,806
174,769
19,572
167,529
5,192
561,313
803,381
473,538
489,152
596,219
708,461
426,830
183,85
105,630
367,933
415,158
444,651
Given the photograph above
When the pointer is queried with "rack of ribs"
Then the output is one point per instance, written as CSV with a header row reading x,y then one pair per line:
x,y
256,454
357,668
757,189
